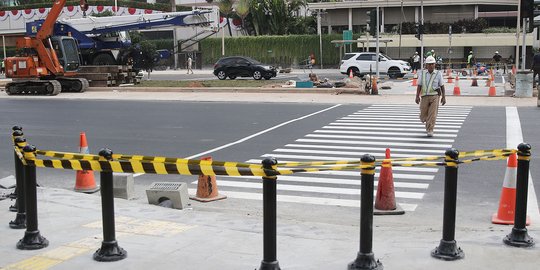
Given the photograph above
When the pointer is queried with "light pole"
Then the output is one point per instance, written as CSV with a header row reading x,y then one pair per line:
x,y
422,36
319,31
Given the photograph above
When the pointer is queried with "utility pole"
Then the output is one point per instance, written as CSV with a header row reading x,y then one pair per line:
x,y
319,31
377,44
175,38
517,33
422,37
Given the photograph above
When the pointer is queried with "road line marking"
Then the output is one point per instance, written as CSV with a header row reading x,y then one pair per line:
x,y
256,134
363,123
391,129
326,180
382,133
366,148
404,169
387,144
390,118
380,138
305,200
457,125
514,136
350,153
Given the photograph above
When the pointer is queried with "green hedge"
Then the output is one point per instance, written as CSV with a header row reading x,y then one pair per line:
x,y
277,50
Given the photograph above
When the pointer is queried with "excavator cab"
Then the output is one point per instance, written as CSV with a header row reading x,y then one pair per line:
x,y
67,51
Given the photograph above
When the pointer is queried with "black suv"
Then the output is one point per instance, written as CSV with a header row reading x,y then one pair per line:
x,y
240,66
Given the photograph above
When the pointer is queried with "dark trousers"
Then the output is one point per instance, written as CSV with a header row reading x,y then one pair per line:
x,y
536,71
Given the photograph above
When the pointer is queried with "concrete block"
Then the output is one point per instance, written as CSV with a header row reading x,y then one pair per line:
x,y
123,186
176,192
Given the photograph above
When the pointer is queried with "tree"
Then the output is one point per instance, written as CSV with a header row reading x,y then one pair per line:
x,y
242,10
274,17
226,9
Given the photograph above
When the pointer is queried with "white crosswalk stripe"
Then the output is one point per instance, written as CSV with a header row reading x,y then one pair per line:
x,y
370,130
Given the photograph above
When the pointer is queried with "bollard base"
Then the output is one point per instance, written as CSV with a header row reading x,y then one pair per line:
x,y
13,208
519,238
19,222
448,251
110,252
32,240
365,261
269,265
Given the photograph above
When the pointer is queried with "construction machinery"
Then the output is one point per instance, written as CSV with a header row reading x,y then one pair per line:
x,y
106,40
45,64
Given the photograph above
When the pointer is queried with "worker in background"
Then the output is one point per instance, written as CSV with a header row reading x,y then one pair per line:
x,y
430,88
497,59
189,64
2,67
415,61
536,67
470,60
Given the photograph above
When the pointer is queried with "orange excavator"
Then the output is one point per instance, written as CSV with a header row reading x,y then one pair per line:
x,y
46,64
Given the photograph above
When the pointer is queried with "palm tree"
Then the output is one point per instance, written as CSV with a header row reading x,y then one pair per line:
x,y
226,8
242,10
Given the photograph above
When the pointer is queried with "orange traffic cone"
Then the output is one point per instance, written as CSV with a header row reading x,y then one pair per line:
x,y
507,204
450,79
374,88
207,189
457,90
414,81
492,91
513,69
385,201
351,75
85,181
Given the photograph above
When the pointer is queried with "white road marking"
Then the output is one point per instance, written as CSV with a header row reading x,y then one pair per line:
x,y
382,133
387,144
514,136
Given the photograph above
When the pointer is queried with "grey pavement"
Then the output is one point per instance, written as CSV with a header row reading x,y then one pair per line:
x,y
162,238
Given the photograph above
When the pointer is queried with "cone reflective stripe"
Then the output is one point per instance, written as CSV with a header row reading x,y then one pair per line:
x,y
385,201
207,189
507,203
85,181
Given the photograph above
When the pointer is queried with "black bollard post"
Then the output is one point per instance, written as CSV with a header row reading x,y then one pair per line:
x,y
109,251
17,132
20,219
32,238
448,249
519,236
365,258
269,261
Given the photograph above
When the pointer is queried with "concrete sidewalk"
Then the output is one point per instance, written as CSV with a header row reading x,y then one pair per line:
x,y
162,238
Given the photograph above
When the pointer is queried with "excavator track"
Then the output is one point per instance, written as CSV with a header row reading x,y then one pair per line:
x,y
73,84
34,87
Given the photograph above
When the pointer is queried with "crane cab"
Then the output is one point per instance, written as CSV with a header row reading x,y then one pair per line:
x,y
67,51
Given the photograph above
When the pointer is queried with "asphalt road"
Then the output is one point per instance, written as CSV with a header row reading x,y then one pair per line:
x,y
189,129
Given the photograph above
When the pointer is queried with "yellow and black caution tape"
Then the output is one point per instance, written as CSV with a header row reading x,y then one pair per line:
x,y
492,152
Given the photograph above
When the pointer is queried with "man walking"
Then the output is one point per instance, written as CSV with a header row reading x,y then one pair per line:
x,y
189,64
536,67
430,87
497,59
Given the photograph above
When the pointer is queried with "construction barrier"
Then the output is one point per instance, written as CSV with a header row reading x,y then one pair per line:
x,y
106,163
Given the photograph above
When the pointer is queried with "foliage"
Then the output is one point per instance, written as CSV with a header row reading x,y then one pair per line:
x,y
277,50
143,51
499,30
106,13
274,17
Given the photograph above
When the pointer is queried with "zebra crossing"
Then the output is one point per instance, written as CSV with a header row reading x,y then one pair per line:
x,y
370,130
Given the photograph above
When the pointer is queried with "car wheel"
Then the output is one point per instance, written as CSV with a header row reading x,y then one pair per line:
x,y
222,75
257,75
232,77
393,72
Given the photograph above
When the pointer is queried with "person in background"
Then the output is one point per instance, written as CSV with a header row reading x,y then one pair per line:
x,y
497,59
415,61
189,64
536,67
470,60
430,88
2,66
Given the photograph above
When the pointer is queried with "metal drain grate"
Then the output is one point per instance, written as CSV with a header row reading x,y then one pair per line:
x,y
165,186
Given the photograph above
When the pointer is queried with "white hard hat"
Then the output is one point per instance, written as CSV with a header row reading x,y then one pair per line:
x,y
430,60
415,52
432,50
496,51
